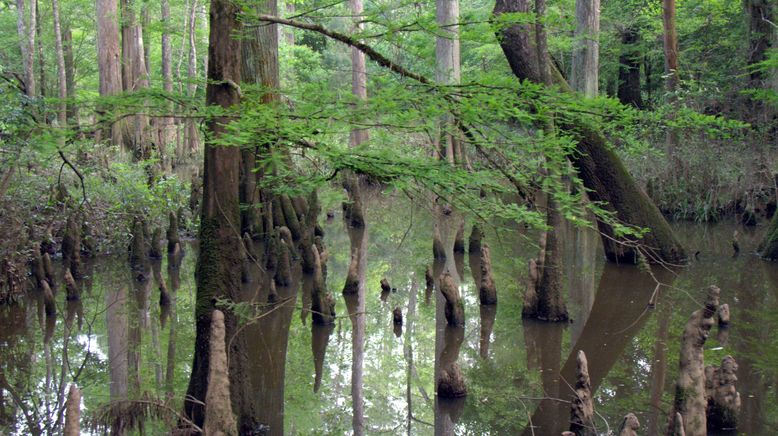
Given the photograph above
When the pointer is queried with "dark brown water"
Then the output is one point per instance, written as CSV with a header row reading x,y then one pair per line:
x,y
365,375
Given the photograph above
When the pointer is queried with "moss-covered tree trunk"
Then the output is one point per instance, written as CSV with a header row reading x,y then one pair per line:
x,y
219,261
597,164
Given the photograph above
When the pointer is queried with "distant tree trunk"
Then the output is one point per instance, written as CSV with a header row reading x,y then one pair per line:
x,y
447,67
26,30
289,32
358,73
629,69
41,57
584,76
70,75
219,261
62,114
134,77
166,129
759,13
109,54
259,67
192,135
671,67
598,165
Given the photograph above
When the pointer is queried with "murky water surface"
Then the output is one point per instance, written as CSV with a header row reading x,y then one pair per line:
x,y
368,376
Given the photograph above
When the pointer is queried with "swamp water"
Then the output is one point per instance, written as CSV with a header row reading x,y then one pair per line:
x,y
367,376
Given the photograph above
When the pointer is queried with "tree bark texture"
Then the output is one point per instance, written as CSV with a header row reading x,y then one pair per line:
x,y
584,75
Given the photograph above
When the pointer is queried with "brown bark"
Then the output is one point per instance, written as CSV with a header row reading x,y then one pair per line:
x,y
438,249
597,164
582,409
629,425
71,246
690,401
352,276
322,303
218,265
487,291
218,407
629,69
759,13
723,397
73,412
134,77
474,243
670,39
454,309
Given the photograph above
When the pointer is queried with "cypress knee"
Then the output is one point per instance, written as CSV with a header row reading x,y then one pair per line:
x,y
352,276
476,235
454,310
71,246
155,251
690,401
290,217
459,239
582,408
322,303
172,233
438,249
487,291
283,276
723,397
71,288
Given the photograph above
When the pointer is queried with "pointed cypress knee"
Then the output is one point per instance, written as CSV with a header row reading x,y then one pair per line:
x,y
71,287
582,407
322,303
629,425
172,233
459,239
487,291
71,246
290,217
476,235
283,276
690,394
455,309
138,251
438,249
352,276
73,412
49,305
155,251
48,268
723,397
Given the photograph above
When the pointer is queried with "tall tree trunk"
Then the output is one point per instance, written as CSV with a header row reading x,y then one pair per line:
x,y
671,69
166,128
70,75
259,67
584,76
26,30
134,77
597,164
289,31
447,66
629,68
192,135
62,114
759,14
39,47
109,55
358,73
219,261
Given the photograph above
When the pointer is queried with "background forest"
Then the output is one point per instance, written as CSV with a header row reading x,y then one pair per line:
x,y
120,118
